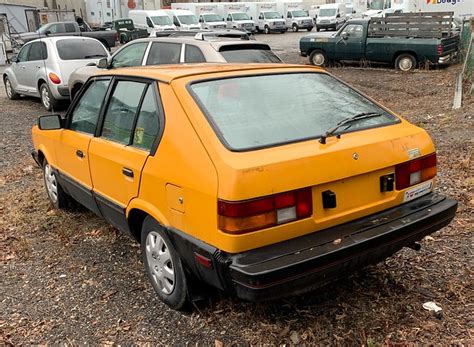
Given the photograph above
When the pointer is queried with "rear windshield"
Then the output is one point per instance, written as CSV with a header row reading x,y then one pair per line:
x,y
261,111
80,49
248,54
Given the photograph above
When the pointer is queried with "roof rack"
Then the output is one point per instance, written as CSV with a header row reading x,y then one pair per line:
x,y
204,34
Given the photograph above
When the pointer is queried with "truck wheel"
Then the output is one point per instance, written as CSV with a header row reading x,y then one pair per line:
x,y
163,265
310,28
47,98
317,29
405,62
266,30
56,194
295,28
318,58
11,94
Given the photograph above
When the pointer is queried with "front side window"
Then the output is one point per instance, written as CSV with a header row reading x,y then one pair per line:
x,y
121,111
193,54
38,51
55,29
256,111
86,112
131,55
164,53
75,49
147,123
70,28
353,30
229,18
149,22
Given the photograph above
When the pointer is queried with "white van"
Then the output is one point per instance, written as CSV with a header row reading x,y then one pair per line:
x,y
183,19
205,12
331,16
153,21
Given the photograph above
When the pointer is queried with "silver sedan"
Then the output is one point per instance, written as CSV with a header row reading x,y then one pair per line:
x,y
43,66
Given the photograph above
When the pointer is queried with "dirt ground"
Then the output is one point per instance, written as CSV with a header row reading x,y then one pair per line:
x,y
68,277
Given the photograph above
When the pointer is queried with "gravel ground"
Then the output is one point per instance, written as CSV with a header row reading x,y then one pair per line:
x,y
68,277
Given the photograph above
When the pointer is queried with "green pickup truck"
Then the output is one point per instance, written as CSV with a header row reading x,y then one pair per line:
x,y
127,32
357,40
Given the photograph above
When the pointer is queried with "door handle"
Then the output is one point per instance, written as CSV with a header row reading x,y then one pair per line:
x,y
127,172
80,154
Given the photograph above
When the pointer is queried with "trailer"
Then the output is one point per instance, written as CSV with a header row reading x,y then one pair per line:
x,y
235,16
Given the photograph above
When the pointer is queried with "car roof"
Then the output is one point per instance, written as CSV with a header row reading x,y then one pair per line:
x,y
214,41
168,73
58,38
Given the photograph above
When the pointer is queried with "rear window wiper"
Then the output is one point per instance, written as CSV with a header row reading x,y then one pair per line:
x,y
348,121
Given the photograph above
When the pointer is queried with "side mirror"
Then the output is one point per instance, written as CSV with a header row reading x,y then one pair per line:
x,y
223,19
282,17
50,122
345,35
103,63
338,15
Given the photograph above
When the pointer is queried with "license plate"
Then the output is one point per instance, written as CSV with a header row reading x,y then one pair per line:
x,y
417,191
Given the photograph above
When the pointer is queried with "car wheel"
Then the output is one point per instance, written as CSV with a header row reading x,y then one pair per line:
x,y
47,98
318,58
163,265
295,28
266,30
405,62
11,94
317,29
56,194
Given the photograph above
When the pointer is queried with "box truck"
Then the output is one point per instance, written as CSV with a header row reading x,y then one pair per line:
x,y
295,17
205,12
462,8
266,16
235,15
183,19
152,21
331,16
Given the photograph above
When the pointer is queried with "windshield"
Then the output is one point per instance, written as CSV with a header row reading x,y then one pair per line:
x,y
161,20
72,49
212,18
300,13
272,15
327,12
378,4
240,16
188,19
260,111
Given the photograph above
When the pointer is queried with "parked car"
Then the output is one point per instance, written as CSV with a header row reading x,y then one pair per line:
x,y
107,37
42,67
230,46
226,178
127,32
352,42
331,16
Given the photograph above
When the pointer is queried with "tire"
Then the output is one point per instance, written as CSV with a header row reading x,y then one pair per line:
x,y
57,196
266,30
295,28
318,58
309,29
47,98
317,29
11,94
405,62
77,87
163,265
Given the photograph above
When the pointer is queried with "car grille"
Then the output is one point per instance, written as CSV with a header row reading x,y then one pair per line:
x,y
324,21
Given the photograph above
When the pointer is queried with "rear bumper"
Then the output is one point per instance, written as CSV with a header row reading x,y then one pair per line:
x,y
308,262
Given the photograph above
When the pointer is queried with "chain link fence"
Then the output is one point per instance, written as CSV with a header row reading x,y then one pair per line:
x,y
467,49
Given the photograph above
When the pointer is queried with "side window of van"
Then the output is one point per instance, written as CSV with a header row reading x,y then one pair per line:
x,y
261,16
288,15
176,21
229,18
149,22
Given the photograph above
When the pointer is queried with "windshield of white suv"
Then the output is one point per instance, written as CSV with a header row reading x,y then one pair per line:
x,y
212,18
272,15
327,12
252,112
161,20
240,16
188,19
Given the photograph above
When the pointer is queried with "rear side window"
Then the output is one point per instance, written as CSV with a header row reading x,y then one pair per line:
x,y
164,53
148,123
193,54
38,51
249,54
131,55
86,112
121,111
70,28
72,49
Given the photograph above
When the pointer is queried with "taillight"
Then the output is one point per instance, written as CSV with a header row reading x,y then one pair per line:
x,y
415,171
439,49
54,78
250,215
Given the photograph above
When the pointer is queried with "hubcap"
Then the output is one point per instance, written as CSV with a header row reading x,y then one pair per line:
x,y
318,59
8,87
159,262
405,64
295,28
45,97
51,183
